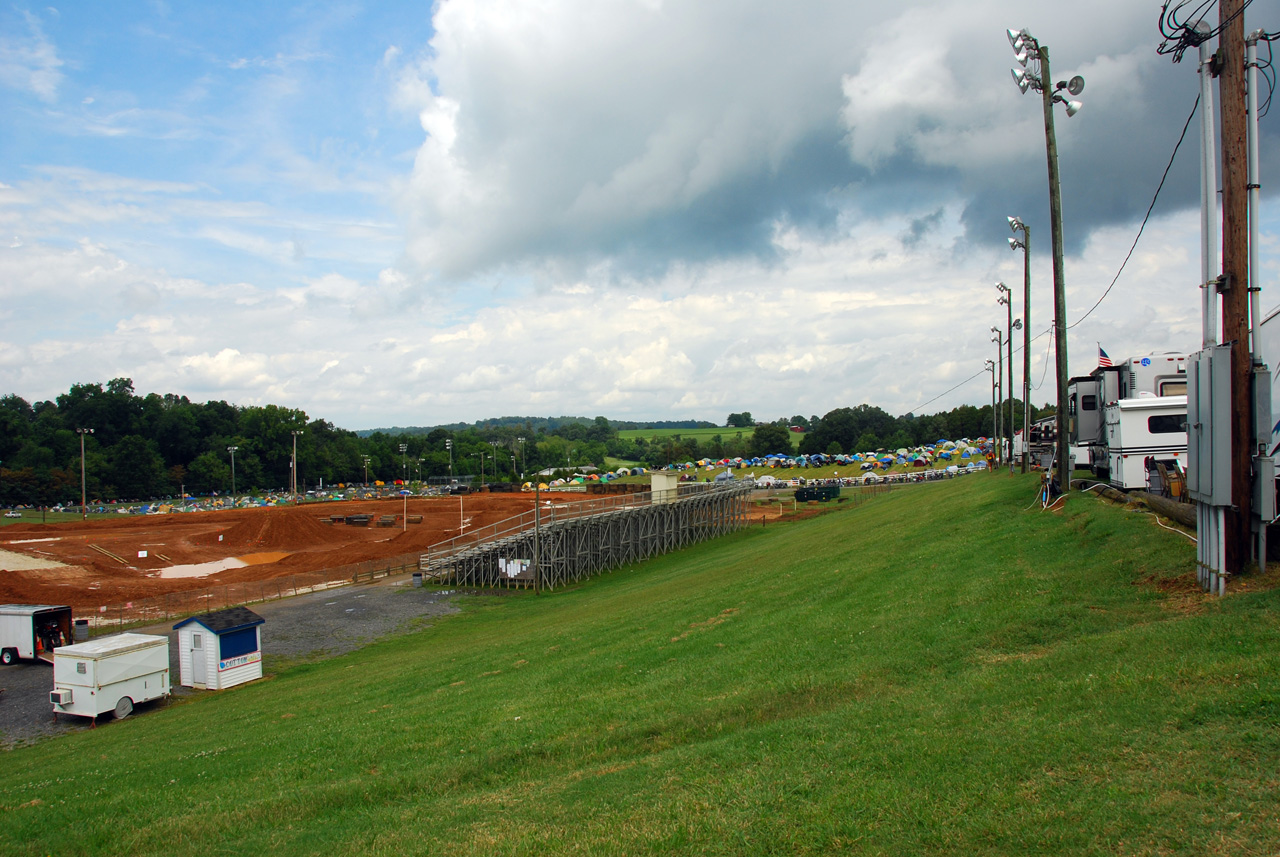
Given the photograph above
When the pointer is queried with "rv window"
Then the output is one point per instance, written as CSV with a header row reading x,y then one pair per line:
x,y
1166,423
1088,403
80,668
1173,388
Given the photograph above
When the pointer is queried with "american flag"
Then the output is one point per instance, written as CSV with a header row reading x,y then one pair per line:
x,y
1103,359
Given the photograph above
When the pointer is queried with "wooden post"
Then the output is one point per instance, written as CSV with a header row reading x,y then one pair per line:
x,y
1059,274
1235,268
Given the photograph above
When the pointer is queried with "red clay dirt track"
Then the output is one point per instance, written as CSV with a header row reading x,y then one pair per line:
x,y
275,541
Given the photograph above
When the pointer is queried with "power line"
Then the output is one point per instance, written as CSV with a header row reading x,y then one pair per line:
x,y
1146,217
1180,31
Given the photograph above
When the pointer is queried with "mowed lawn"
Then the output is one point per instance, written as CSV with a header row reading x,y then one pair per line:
x,y
944,669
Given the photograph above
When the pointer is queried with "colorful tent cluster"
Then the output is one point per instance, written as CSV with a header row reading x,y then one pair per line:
x,y
964,450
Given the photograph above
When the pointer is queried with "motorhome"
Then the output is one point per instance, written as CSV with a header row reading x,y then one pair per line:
x,y
1150,376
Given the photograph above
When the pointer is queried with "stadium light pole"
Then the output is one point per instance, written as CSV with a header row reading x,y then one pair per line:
x,y
1016,225
448,444
365,459
404,463
294,465
1015,324
1006,298
84,511
232,450
998,339
523,463
990,366
1027,49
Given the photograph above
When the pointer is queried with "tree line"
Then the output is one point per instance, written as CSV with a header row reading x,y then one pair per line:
x,y
153,446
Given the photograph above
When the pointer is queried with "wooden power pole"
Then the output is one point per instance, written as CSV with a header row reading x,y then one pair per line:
x,y
1235,284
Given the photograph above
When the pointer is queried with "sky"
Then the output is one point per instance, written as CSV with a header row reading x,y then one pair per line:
x,y
394,214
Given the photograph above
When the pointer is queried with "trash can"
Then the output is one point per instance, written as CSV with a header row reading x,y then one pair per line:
x,y
81,630
417,578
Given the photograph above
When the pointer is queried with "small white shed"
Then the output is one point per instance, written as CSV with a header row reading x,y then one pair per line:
x,y
665,485
220,650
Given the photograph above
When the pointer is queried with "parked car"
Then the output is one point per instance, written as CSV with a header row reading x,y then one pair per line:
x,y
13,514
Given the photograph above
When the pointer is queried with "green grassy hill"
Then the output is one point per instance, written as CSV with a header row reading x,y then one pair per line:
x,y
942,670
702,435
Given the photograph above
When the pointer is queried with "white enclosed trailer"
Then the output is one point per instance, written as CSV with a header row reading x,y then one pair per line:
x,y
32,630
110,674
1146,428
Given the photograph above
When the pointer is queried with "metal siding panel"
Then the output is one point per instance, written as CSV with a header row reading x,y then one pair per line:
x,y
1209,452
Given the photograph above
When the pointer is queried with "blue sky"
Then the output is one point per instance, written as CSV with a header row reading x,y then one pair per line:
x,y
408,213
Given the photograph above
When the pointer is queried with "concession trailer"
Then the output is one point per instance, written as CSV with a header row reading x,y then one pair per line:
x,y
110,674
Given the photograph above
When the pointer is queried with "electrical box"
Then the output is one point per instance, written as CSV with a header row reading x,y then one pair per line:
x,y
1209,426
1264,488
1261,409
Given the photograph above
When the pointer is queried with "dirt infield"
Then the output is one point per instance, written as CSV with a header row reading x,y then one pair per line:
x,y
135,557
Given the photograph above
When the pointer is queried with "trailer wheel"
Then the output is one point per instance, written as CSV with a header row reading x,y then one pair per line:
x,y
123,708
8,656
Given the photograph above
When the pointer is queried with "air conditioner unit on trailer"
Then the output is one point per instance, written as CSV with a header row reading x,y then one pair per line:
x,y
62,696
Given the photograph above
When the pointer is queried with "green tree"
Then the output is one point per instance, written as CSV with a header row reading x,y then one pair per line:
x,y
769,439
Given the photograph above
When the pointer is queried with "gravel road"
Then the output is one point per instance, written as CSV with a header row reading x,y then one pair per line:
x,y
316,625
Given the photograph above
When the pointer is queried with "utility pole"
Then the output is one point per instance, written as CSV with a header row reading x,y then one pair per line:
x,y
84,509
998,339
1026,48
1059,271
1024,244
1235,282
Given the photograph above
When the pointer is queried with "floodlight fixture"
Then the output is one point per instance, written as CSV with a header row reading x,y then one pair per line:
x,y
1015,244
1015,224
1042,82
1017,324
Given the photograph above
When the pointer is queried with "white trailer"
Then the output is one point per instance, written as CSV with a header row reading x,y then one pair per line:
x,y
1147,428
110,674
31,631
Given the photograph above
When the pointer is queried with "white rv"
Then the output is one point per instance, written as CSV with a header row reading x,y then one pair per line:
x,y
1142,432
110,674
1161,376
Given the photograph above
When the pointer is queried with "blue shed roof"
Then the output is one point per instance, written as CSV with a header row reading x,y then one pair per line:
x,y
225,621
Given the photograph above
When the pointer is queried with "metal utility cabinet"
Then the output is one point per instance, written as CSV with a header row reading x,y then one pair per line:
x,y
32,630
110,674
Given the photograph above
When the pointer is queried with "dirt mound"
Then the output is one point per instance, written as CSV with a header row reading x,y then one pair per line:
x,y
278,529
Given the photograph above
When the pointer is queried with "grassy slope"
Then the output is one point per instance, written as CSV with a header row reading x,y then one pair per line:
x,y
937,671
702,435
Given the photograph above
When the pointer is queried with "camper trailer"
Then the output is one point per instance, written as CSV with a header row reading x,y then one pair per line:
x,y
110,674
1140,433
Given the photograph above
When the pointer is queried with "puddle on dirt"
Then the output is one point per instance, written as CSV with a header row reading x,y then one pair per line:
x,y
204,569
201,569
263,558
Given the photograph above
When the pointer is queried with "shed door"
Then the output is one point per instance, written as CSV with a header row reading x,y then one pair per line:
x,y
197,657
